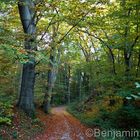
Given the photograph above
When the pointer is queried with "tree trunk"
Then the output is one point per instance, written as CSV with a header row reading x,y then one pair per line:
x,y
51,81
112,59
79,85
138,65
127,57
68,85
86,83
52,73
27,88
118,57
27,13
47,98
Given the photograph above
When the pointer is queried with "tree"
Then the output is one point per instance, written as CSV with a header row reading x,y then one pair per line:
x,y
52,73
27,16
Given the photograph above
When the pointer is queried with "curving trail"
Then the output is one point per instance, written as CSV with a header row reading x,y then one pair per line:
x,y
62,126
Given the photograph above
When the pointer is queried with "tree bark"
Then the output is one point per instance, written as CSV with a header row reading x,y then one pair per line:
x,y
47,98
127,57
138,65
111,56
79,86
27,13
86,83
27,89
49,88
68,85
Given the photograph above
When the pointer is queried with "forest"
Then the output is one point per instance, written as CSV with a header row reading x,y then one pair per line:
x,y
69,69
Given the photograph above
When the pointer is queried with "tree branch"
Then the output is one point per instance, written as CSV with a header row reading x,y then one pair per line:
x,y
74,26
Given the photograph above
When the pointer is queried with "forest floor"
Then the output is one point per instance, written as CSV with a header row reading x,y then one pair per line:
x,y
60,125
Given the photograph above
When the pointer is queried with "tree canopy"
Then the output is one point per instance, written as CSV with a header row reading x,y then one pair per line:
x,y
58,52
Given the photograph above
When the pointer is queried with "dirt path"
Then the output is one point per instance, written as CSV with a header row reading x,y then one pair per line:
x,y
62,126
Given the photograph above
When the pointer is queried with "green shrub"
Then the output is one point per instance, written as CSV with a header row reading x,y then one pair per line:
x,y
6,111
5,120
127,117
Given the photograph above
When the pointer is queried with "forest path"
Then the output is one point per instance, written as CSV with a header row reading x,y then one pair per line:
x,y
62,126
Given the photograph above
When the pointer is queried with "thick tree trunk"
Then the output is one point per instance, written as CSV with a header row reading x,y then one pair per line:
x,y
27,88
27,13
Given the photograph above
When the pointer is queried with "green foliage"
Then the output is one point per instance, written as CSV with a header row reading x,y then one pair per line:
x,y
6,113
5,120
127,117
94,39
99,112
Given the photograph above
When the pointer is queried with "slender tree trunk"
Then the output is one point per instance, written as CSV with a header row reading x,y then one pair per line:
x,y
50,85
127,57
48,94
27,13
118,57
138,65
111,57
65,83
52,73
68,85
79,86
86,83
